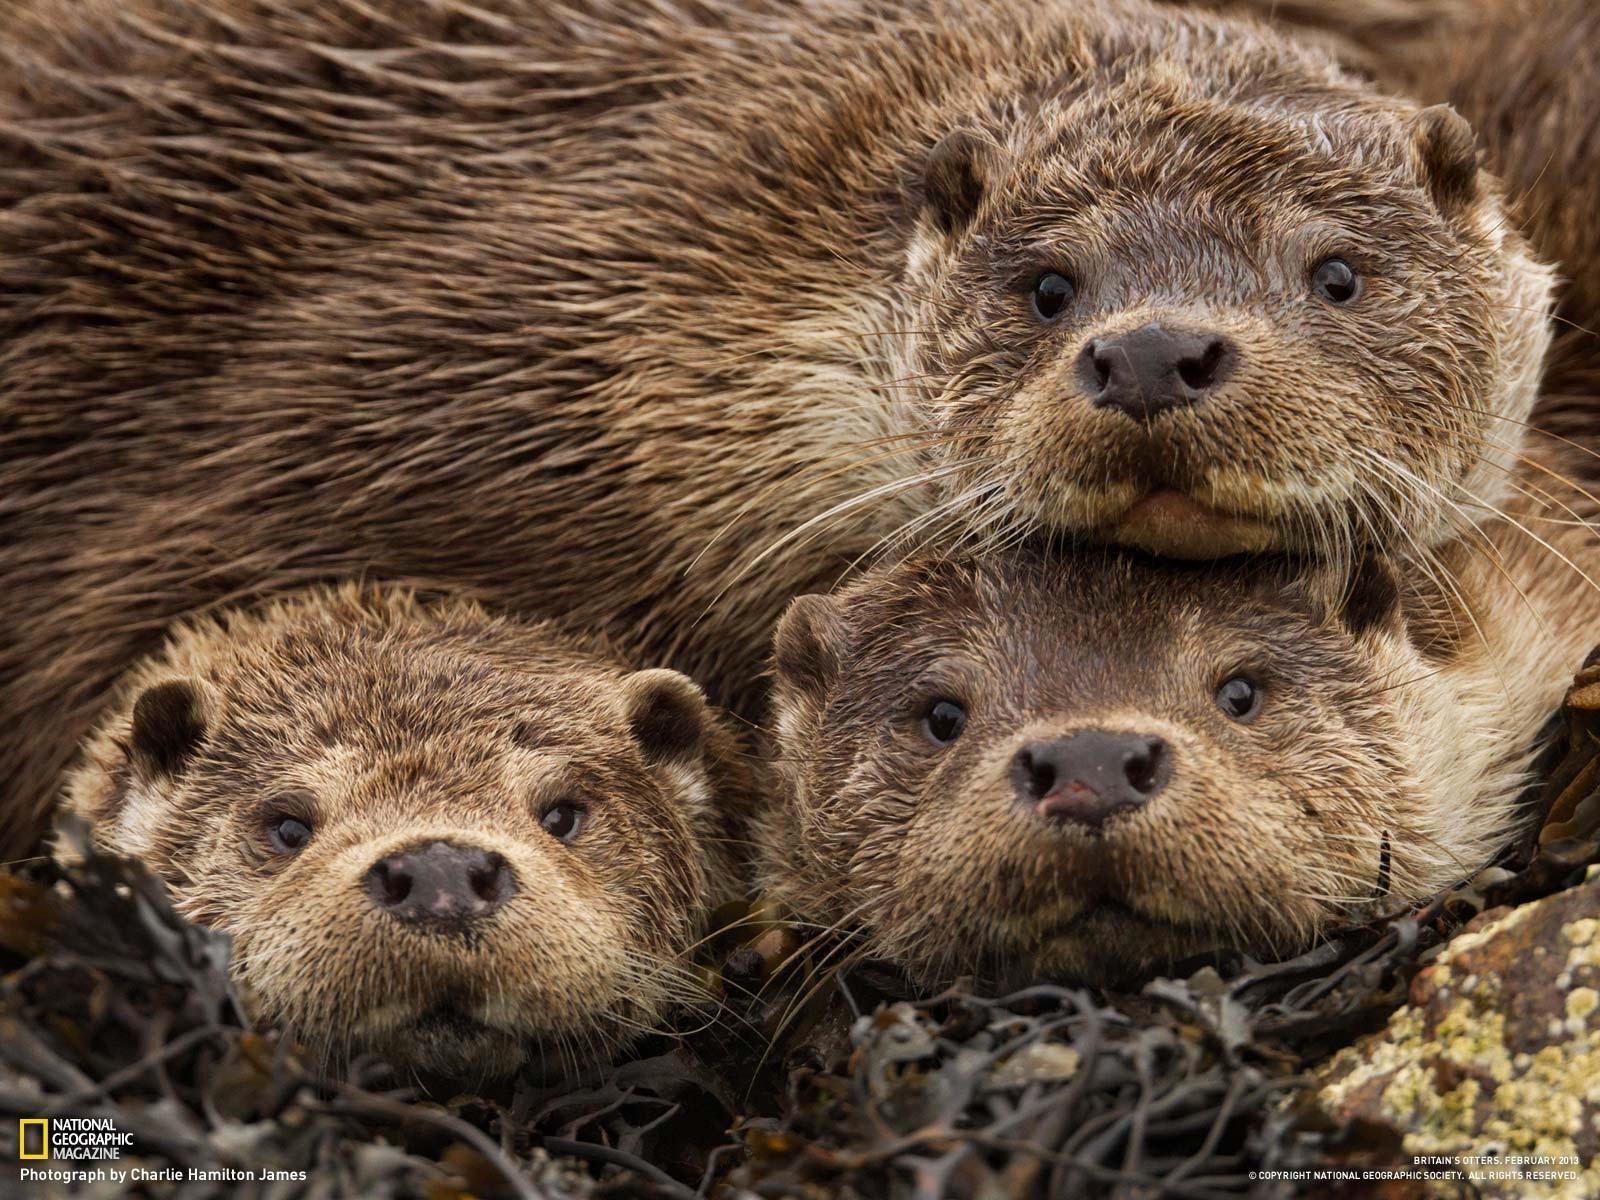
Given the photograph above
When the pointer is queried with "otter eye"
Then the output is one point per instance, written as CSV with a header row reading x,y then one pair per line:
x,y
1336,281
563,821
1240,698
288,835
1052,292
943,722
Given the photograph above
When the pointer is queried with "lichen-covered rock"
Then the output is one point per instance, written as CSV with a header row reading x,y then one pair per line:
x,y
1496,1055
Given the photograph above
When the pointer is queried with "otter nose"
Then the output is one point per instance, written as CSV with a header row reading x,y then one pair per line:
x,y
1151,370
1088,777
440,885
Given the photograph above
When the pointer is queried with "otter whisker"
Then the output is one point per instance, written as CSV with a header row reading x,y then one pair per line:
x,y
1411,681
798,536
1525,425
1442,580
849,335
744,920
891,488
913,443
1517,524
1549,315
808,989
1516,478
1406,835
906,530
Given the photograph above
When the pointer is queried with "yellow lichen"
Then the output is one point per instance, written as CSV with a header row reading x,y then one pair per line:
x,y
1585,951
1581,1002
1582,931
1354,1068
1541,1103
1473,1034
1467,942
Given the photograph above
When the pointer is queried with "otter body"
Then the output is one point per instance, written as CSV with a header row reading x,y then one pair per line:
x,y
433,833
1091,766
655,318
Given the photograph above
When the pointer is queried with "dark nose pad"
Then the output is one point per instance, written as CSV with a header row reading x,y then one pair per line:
x,y
1151,370
1088,777
440,885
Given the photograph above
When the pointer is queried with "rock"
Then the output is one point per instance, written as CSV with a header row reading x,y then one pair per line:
x,y
1496,1056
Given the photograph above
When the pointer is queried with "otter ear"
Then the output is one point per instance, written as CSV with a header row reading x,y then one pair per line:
x,y
667,713
809,646
169,727
1371,599
959,170
1448,149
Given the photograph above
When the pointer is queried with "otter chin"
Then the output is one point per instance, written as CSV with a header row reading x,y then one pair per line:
x,y
1088,765
1099,933
1174,524
1111,942
451,839
445,1039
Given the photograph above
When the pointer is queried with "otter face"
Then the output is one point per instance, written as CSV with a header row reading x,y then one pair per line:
x,y
1023,769
1272,312
441,838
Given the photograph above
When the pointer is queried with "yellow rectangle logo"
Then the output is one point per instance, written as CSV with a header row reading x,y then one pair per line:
x,y
42,1124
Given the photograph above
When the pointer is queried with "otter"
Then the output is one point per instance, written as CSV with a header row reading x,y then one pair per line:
x,y
1092,766
433,833
655,316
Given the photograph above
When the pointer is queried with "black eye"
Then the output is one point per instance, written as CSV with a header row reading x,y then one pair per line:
x,y
563,822
1052,292
1240,698
944,722
1336,281
288,835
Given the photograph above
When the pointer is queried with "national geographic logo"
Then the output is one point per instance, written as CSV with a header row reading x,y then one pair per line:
x,y
78,1139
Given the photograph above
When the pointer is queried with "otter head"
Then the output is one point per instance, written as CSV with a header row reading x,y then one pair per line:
x,y
434,835
1210,296
1089,768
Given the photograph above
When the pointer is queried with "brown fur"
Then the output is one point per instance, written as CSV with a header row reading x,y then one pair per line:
x,y
386,723
653,315
1387,39
1385,763
1526,74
